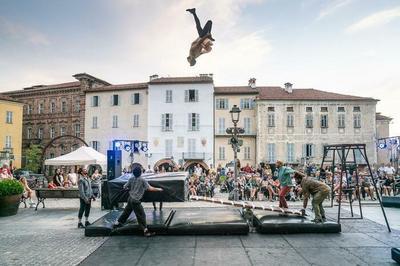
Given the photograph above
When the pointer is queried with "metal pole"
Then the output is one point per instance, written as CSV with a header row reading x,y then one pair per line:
x,y
236,189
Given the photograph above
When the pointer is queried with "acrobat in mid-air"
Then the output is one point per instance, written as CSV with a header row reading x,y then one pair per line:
x,y
203,44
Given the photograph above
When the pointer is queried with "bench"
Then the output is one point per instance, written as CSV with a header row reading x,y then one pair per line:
x,y
55,193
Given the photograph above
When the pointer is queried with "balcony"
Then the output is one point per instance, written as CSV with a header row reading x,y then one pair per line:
x,y
193,156
246,134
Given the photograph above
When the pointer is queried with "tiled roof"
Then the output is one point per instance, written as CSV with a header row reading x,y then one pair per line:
x,y
55,86
7,98
235,90
130,86
382,117
200,79
277,93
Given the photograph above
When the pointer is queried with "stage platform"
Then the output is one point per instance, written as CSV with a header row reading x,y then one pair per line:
x,y
391,201
272,223
396,255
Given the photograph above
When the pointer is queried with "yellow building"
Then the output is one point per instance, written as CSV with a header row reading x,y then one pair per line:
x,y
10,131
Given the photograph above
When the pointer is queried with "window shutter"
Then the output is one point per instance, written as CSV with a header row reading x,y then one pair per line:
x,y
163,122
186,95
226,104
252,103
92,101
190,121
241,103
171,125
98,100
197,121
196,95
303,152
111,100
312,150
217,103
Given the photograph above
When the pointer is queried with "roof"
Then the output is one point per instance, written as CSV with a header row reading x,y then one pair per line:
x,y
129,86
382,117
277,93
55,86
87,76
9,99
200,79
235,90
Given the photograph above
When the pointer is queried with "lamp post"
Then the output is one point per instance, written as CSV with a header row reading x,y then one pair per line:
x,y
235,115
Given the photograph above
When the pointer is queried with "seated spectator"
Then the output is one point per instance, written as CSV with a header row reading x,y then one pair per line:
x,y
72,178
27,191
4,174
388,185
366,185
51,185
58,178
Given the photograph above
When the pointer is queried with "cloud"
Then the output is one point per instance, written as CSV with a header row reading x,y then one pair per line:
x,y
22,33
377,19
332,7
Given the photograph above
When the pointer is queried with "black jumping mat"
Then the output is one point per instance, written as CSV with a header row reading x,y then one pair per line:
x,y
391,201
396,255
208,221
175,185
271,223
156,221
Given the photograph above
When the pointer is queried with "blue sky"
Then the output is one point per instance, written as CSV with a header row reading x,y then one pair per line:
x,y
345,46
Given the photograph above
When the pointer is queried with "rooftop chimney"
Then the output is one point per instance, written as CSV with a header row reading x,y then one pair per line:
x,y
288,87
152,77
252,83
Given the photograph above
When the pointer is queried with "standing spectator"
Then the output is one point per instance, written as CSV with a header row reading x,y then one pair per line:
x,y
149,170
96,183
247,169
389,170
285,182
58,178
72,178
85,197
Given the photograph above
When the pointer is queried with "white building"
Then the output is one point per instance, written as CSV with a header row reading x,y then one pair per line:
x,y
180,121
117,112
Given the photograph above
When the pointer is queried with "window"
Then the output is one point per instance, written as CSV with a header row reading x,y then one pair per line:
x,y
115,121
8,142
290,120
29,109
168,96
341,121
341,109
271,152
115,100
191,146
191,95
309,150
289,109
290,152
194,122
52,155
357,120
324,121
40,108
9,117
221,104
180,142
77,105
94,122
77,130
246,103
95,101
62,131
168,148
52,107
308,109
221,125
95,145
40,133
324,109
135,98
271,109
166,122
247,153
356,109
63,107
309,120
247,125
221,153
29,133
271,120
135,120
52,132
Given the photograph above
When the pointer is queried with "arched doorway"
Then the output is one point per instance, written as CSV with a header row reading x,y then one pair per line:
x,y
189,165
167,164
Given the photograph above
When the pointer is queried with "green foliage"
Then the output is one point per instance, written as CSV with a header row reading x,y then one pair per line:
x,y
33,158
10,187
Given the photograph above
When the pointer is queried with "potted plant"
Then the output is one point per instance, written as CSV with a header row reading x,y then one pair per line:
x,y
10,196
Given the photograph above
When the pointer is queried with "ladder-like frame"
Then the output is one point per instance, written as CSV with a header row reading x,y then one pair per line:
x,y
340,154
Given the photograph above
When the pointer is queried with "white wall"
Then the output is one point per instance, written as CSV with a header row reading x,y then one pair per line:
x,y
180,110
105,133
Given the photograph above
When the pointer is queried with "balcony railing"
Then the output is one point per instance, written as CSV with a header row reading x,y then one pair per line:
x,y
193,155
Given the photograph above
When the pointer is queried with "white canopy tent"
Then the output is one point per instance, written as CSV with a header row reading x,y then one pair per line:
x,y
82,156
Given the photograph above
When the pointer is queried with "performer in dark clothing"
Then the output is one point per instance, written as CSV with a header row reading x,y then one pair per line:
x,y
137,187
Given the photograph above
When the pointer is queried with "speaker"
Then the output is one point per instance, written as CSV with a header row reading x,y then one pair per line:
x,y
114,167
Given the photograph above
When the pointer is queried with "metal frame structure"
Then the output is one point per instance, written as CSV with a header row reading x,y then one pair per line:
x,y
340,156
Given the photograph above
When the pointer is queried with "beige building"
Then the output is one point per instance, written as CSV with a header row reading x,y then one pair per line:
x,y
382,131
224,98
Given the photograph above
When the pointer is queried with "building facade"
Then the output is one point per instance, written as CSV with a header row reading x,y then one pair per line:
x,y
10,131
385,155
117,112
180,121
56,110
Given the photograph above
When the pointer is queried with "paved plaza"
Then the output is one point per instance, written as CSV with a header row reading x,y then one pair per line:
x,y
50,237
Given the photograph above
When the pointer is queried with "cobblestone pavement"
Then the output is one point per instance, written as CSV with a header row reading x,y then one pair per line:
x,y
50,237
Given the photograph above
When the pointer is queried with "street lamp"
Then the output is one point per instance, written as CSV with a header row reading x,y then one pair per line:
x,y
235,115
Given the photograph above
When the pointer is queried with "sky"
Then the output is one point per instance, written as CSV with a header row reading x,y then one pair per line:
x,y
343,46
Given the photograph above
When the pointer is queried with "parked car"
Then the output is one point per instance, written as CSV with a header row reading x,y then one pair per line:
x,y
34,180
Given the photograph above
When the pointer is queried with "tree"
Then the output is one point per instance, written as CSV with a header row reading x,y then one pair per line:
x,y
33,158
